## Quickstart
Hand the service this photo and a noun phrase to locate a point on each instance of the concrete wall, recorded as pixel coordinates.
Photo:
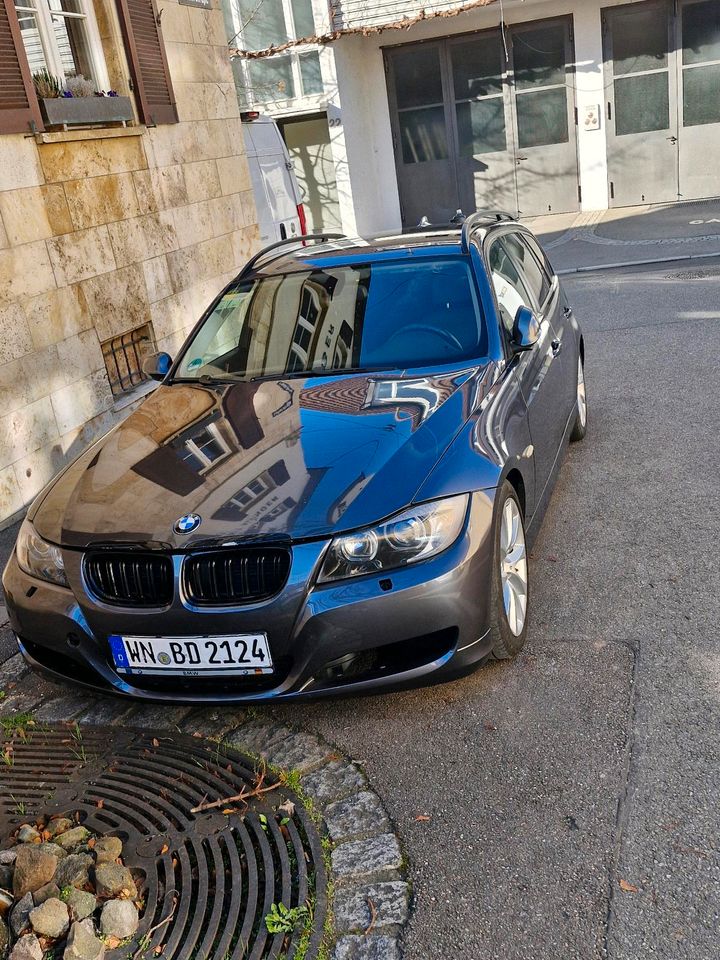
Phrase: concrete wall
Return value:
(102, 231)
(363, 146)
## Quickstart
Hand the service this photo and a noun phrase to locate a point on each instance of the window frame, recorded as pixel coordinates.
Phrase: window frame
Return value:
(504, 332)
(48, 40)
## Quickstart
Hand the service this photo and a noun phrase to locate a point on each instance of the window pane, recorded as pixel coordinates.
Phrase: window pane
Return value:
(701, 95)
(536, 280)
(477, 67)
(66, 6)
(542, 118)
(263, 23)
(641, 104)
(417, 76)
(271, 79)
(539, 56)
(310, 72)
(639, 40)
(509, 287)
(422, 133)
(73, 46)
(481, 126)
(701, 32)
(303, 17)
(31, 40)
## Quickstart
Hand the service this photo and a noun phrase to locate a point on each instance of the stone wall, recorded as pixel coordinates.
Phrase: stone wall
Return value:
(103, 231)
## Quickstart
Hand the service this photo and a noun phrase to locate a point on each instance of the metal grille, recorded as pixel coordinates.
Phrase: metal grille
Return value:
(207, 880)
(130, 579)
(237, 576)
(123, 357)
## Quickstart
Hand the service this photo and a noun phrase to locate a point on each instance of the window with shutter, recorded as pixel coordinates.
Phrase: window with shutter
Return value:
(146, 53)
(18, 103)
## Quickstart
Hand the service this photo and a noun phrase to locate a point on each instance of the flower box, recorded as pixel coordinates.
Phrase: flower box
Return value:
(81, 111)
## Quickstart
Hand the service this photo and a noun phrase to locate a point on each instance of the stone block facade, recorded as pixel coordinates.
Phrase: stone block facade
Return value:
(104, 231)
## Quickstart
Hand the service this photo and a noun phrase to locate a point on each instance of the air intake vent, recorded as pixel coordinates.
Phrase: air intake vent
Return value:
(130, 579)
(235, 576)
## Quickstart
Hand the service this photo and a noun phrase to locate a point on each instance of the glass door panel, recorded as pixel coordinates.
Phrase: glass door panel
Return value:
(699, 105)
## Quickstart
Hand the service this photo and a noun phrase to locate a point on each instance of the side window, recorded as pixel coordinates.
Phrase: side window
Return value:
(510, 289)
(533, 273)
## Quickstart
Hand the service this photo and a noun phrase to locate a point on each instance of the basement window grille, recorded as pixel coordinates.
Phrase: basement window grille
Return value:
(124, 356)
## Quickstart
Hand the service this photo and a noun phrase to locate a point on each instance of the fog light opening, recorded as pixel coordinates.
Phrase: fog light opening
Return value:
(73, 640)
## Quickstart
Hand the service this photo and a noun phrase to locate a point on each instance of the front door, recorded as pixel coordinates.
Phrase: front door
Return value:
(663, 101)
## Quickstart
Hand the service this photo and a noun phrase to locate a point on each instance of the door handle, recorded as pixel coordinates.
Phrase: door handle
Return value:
(556, 346)
(567, 312)
(518, 159)
(671, 139)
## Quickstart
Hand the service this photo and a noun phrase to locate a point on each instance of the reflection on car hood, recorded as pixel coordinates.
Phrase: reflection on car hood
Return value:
(295, 458)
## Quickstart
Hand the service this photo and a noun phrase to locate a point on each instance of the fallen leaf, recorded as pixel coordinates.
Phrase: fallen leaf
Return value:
(91, 843)
(628, 887)
(229, 810)
(155, 742)
(288, 808)
(100, 804)
(164, 848)
(198, 735)
(159, 949)
(422, 818)
(112, 942)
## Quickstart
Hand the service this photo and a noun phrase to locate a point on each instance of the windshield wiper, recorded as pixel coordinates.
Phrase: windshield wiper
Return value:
(310, 374)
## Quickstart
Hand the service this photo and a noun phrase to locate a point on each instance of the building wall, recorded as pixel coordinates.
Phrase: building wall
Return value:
(103, 231)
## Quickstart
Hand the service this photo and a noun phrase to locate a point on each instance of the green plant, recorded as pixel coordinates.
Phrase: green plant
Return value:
(78, 750)
(20, 806)
(47, 86)
(18, 721)
(282, 919)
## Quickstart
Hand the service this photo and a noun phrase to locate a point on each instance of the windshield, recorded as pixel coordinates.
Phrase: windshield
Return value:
(348, 318)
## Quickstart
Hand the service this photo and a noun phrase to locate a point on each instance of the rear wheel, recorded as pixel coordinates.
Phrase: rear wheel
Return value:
(580, 427)
(510, 583)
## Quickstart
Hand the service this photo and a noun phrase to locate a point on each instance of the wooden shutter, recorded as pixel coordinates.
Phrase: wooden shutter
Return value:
(146, 53)
(18, 102)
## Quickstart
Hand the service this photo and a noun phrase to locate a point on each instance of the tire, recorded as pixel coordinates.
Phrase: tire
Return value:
(507, 633)
(580, 427)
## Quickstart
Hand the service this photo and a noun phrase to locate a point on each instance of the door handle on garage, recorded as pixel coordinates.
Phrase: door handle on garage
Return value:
(556, 346)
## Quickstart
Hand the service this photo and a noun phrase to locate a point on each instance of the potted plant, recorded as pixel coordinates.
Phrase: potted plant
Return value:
(77, 103)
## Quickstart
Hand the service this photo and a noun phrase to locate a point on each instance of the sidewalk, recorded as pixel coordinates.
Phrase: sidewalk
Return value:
(627, 235)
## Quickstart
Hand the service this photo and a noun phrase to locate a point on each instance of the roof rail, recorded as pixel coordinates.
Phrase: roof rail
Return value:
(316, 237)
(474, 220)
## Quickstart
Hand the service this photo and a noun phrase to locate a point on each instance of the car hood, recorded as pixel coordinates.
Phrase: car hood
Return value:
(294, 458)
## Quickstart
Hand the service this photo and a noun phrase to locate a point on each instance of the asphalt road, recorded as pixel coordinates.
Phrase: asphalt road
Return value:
(594, 758)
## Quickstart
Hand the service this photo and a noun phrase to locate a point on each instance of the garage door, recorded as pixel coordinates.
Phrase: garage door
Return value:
(485, 119)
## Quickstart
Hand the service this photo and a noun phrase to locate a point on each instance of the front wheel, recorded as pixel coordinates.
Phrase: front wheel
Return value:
(580, 428)
(510, 582)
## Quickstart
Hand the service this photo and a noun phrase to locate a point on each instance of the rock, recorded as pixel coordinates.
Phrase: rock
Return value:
(51, 919)
(48, 892)
(27, 948)
(28, 834)
(82, 944)
(119, 918)
(6, 875)
(7, 857)
(4, 937)
(54, 849)
(20, 915)
(72, 839)
(33, 869)
(59, 825)
(73, 870)
(80, 903)
(107, 849)
(112, 880)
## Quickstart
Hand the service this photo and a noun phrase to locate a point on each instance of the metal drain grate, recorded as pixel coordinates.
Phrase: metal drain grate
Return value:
(214, 874)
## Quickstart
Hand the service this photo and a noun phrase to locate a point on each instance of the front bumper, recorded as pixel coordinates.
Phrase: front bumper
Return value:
(426, 622)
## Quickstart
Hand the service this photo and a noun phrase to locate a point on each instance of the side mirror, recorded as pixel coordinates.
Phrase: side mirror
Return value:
(526, 329)
(157, 365)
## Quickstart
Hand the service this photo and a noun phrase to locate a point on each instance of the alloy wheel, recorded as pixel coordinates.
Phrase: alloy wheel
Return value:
(513, 567)
(581, 397)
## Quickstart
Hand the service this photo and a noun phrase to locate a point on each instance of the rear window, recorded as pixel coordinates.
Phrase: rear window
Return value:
(352, 317)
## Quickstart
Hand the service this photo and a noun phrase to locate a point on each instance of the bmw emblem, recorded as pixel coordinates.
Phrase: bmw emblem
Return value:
(188, 523)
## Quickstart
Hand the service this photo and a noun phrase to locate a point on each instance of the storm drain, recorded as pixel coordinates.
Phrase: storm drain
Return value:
(207, 879)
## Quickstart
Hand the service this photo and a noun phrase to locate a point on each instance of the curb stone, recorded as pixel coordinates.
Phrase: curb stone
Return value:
(366, 862)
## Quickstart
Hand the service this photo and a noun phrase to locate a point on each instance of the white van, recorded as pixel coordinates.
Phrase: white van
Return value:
(277, 195)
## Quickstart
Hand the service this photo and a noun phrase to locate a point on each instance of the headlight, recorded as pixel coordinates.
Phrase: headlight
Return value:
(413, 535)
(39, 558)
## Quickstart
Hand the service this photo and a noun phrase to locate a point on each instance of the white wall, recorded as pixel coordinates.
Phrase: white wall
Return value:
(363, 143)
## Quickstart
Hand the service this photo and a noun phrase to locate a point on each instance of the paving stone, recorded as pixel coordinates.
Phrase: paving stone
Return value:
(214, 724)
(256, 736)
(33, 869)
(365, 858)
(60, 709)
(301, 751)
(157, 717)
(351, 906)
(336, 780)
(50, 919)
(360, 815)
(367, 948)
(13, 669)
(82, 944)
(27, 948)
(105, 713)
(119, 918)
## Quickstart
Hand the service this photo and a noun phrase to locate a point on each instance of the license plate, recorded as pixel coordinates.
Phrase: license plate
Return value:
(238, 655)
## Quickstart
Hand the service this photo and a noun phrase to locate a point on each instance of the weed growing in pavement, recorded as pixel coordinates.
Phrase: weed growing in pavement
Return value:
(20, 806)
(17, 723)
(282, 919)
(78, 750)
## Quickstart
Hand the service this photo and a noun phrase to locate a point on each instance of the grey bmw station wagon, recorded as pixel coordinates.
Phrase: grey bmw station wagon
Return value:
(333, 488)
